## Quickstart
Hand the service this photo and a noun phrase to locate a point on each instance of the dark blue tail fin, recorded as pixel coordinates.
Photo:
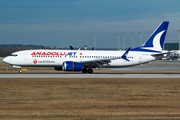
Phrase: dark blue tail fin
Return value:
(156, 40)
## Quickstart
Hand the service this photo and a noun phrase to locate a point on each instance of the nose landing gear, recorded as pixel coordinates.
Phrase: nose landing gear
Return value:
(21, 70)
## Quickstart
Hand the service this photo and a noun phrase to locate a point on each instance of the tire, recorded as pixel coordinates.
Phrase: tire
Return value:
(90, 70)
(20, 71)
(84, 70)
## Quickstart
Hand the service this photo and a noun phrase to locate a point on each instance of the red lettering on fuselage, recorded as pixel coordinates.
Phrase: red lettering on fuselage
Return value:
(38, 53)
(62, 53)
(49, 53)
(33, 53)
(43, 53)
(54, 53)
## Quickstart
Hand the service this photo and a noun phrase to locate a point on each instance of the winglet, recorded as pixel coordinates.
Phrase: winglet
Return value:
(124, 56)
(71, 48)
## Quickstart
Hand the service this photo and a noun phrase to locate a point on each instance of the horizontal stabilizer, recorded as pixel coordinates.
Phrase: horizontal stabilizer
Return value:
(161, 54)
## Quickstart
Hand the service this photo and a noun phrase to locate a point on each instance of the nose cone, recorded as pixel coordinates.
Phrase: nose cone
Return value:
(6, 60)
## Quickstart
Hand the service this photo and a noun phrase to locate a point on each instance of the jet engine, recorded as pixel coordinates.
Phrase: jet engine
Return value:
(72, 66)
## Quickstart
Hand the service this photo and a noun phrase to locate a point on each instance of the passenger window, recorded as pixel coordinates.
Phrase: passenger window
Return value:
(13, 55)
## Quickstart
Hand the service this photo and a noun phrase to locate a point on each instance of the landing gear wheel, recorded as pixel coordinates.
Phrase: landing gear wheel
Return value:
(20, 71)
(84, 70)
(90, 70)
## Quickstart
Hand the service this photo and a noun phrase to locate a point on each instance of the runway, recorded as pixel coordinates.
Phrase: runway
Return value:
(156, 69)
(90, 75)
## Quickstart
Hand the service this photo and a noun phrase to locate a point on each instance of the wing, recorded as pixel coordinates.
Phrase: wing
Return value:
(100, 62)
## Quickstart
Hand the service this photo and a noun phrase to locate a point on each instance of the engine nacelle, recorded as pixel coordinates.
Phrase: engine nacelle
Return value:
(58, 68)
(72, 66)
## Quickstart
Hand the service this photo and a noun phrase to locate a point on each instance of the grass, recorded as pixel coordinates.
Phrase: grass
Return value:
(94, 98)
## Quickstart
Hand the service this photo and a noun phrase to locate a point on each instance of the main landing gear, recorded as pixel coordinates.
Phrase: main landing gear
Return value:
(85, 70)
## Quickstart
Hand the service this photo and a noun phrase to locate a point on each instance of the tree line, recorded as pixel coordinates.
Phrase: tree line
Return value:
(6, 50)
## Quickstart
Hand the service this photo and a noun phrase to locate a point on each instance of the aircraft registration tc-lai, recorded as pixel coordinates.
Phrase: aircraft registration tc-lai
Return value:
(85, 60)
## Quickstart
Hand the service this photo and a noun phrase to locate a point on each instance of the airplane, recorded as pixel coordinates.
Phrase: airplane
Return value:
(85, 60)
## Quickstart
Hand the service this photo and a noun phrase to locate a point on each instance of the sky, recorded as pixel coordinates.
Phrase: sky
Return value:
(62, 23)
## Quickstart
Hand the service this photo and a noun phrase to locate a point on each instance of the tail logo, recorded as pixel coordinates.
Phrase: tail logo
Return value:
(156, 42)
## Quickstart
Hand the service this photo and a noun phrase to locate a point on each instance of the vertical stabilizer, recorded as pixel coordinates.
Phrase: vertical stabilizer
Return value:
(156, 40)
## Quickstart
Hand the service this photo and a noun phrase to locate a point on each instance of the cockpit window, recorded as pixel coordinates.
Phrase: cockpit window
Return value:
(13, 55)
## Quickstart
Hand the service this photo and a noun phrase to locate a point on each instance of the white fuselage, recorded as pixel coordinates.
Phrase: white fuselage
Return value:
(55, 58)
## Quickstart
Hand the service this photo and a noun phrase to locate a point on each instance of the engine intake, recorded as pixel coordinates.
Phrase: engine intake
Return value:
(72, 66)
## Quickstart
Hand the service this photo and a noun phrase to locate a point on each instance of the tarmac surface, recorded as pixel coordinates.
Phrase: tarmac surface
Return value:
(155, 69)
(159, 65)
(90, 75)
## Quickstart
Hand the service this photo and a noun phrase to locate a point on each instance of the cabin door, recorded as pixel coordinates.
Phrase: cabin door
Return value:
(25, 56)
(140, 58)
